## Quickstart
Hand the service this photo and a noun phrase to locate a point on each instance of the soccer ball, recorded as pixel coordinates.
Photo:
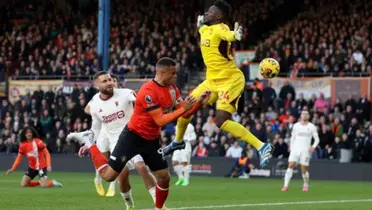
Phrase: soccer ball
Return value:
(269, 68)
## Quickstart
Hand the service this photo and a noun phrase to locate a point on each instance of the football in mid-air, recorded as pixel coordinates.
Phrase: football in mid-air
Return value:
(269, 68)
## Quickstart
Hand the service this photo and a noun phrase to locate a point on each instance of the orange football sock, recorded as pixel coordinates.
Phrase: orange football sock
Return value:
(50, 184)
(33, 184)
(99, 160)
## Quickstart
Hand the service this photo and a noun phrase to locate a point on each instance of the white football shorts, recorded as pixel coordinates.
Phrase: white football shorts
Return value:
(183, 155)
(107, 143)
(300, 157)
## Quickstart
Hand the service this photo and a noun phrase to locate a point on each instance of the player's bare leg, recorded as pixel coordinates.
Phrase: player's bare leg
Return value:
(305, 176)
(178, 169)
(186, 170)
(162, 187)
(126, 189)
(100, 162)
(43, 182)
(27, 182)
(111, 189)
(98, 179)
(224, 122)
(288, 175)
(149, 180)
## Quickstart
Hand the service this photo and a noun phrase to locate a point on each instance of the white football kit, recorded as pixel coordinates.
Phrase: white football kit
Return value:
(301, 142)
(109, 117)
(184, 155)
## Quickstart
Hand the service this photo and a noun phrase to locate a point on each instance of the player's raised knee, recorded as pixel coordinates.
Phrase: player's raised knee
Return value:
(222, 117)
(162, 177)
(140, 166)
(220, 121)
(109, 174)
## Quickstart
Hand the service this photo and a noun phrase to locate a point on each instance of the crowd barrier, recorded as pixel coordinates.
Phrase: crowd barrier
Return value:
(218, 167)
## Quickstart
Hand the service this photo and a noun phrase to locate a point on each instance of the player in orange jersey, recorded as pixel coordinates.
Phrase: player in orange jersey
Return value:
(38, 160)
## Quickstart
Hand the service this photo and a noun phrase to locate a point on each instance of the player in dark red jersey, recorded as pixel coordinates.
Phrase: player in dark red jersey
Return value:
(158, 103)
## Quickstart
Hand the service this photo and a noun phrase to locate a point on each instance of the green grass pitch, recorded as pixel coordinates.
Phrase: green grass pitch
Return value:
(78, 193)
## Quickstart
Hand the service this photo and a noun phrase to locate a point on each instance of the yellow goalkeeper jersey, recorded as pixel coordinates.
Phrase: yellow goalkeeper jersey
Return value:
(215, 44)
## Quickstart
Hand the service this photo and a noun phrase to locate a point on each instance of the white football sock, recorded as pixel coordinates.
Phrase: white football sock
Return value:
(127, 197)
(186, 172)
(178, 170)
(152, 192)
(288, 176)
(113, 185)
(306, 177)
(98, 178)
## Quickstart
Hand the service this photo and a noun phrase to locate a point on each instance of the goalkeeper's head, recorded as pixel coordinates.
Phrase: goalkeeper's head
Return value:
(217, 13)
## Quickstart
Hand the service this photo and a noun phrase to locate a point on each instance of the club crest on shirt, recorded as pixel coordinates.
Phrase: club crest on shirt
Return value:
(123, 159)
(148, 99)
(116, 103)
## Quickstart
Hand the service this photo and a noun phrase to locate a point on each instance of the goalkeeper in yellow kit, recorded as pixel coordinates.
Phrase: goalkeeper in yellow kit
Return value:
(223, 79)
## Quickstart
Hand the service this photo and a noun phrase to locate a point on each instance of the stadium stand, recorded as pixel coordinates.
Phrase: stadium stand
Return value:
(61, 43)
(58, 43)
(329, 39)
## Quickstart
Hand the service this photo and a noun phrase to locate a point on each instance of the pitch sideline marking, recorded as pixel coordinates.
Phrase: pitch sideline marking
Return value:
(270, 204)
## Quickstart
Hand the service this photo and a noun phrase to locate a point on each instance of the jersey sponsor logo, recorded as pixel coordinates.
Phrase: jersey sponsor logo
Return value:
(123, 159)
(31, 154)
(304, 134)
(112, 117)
(148, 99)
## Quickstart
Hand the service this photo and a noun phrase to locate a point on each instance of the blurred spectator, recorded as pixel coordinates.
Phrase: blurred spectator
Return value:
(241, 168)
(200, 150)
(269, 96)
(235, 151)
(281, 148)
(330, 38)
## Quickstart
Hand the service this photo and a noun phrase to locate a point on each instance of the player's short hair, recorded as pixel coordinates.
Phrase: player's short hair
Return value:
(98, 74)
(166, 61)
(114, 76)
(224, 7)
(34, 132)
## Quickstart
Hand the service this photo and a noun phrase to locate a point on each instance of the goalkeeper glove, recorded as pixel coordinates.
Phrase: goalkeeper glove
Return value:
(200, 21)
(238, 31)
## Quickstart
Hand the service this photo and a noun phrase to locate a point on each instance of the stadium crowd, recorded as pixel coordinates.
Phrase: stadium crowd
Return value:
(332, 38)
(343, 127)
(56, 43)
